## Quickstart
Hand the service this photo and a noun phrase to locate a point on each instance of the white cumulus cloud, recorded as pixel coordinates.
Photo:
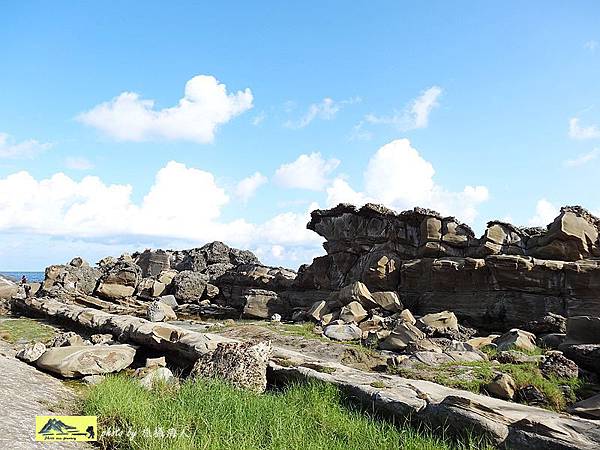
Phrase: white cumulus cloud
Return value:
(583, 159)
(413, 116)
(9, 148)
(247, 187)
(184, 205)
(307, 172)
(545, 213)
(206, 104)
(400, 178)
(579, 132)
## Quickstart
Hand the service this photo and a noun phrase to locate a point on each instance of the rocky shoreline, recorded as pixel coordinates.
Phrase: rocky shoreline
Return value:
(417, 288)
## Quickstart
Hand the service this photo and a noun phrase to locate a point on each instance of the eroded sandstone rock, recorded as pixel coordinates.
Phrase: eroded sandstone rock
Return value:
(343, 332)
(502, 386)
(242, 364)
(353, 312)
(160, 312)
(401, 336)
(120, 280)
(515, 339)
(31, 352)
(78, 361)
(189, 286)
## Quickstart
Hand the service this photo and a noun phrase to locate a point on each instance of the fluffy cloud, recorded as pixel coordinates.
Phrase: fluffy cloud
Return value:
(545, 213)
(307, 172)
(415, 115)
(78, 163)
(60, 205)
(183, 205)
(206, 104)
(9, 148)
(399, 177)
(583, 158)
(576, 131)
(247, 187)
(325, 110)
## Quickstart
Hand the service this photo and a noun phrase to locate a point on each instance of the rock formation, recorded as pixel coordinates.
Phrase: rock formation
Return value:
(505, 278)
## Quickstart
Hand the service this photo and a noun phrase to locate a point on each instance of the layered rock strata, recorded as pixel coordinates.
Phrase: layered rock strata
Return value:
(503, 279)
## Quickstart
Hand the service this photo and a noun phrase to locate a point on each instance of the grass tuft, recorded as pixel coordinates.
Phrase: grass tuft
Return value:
(210, 414)
(473, 376)
(23, 330)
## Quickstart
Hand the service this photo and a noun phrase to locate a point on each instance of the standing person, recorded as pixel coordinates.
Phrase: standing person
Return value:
(23, 280)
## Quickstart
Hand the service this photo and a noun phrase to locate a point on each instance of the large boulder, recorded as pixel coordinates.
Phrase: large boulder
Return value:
(357, 292)
(150, 287)
(401, 336)
(120, 280)
(388, 300)
(345, 332)
(550, 323)
(235, 284)
(502, 386)
(189, 286)
(66, 339)
(242, 364)
(158, 311)
(75, 276)
(515, 339)
(79, 361)
(573, 235)
(152, 262)
(8, 288)
(31, 352)
(262, 304)
(353, 312)
(440, 322)
(211, 258)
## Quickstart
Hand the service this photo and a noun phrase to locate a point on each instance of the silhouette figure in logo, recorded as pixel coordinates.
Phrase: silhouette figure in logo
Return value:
(90, 432)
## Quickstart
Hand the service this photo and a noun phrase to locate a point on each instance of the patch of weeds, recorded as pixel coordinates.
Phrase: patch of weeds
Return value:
(211, 414)
(473, 376)
(378, 384)
(25, 330)
(302, 329)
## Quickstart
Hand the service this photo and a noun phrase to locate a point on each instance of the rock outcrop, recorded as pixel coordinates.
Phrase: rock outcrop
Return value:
(78, 361)
(505, 278)
(244, 364)
(78, 275)
(505, 423)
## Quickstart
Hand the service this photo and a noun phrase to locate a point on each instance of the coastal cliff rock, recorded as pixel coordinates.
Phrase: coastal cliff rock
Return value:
(505, 278)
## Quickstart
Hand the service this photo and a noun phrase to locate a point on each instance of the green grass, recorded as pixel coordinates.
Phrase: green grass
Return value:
(473, 376)
(209, 414)
(25, 330)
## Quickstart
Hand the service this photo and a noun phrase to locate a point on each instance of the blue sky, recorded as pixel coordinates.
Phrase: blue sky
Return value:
(476, 109)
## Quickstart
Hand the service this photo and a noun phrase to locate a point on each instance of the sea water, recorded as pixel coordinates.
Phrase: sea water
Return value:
(16, 276)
